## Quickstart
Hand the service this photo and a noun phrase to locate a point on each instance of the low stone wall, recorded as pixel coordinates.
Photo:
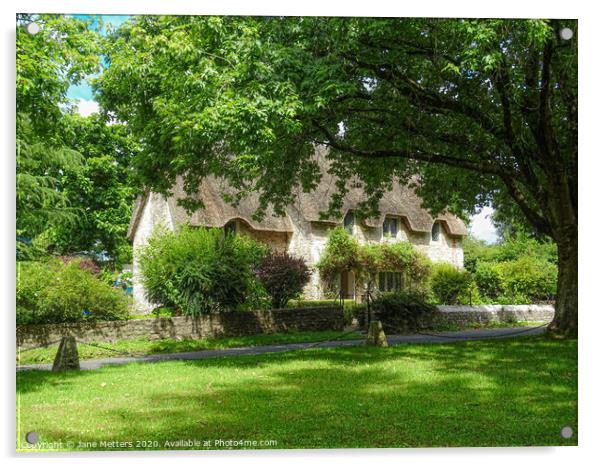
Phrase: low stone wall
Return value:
(205, 326)
(481, 314)
(500, 313)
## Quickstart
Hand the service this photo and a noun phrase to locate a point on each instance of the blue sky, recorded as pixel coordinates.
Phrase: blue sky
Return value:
(480, 224)
(83, 91)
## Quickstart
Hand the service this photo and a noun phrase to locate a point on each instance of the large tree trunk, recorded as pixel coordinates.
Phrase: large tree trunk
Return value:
(564, 324)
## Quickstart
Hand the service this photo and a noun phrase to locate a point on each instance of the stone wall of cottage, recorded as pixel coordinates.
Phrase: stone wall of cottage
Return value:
(156, 212)
(277, 240)
(307, 240)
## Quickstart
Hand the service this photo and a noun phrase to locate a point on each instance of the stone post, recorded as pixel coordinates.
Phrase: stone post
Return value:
(66, 357)
(376, 335)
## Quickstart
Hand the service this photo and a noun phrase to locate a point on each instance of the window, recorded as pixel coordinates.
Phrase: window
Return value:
(390, 227)
(390, 281)
(230, 228)
(349, 222)
(436, 231)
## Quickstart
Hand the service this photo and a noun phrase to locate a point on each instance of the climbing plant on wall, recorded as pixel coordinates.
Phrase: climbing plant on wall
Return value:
(344, 253)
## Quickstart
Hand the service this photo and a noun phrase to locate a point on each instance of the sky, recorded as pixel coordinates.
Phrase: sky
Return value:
(82, 93)
(480, 226)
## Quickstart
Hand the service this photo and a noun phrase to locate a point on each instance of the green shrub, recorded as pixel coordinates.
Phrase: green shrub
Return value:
(453, 286)
(477, 251)
(257, 297)
(55, 292)
(283, 276)
(402, 311)
(527, 280)
(198, 270)
(488, 280)
(32, 278)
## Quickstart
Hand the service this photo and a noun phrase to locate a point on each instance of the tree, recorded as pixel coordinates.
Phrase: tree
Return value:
(62, 53)
(102, 191)
(470, 112)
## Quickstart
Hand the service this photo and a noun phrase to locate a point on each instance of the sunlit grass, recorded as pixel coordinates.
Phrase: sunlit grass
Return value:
(479, 393)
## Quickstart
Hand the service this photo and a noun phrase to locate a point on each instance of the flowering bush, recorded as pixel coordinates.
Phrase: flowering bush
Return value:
(84, 264)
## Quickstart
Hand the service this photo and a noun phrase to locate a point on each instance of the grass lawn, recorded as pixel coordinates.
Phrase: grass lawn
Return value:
(518, 391)
(144, 346)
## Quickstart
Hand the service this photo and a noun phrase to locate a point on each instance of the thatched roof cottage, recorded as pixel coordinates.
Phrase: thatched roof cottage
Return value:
(302, 231)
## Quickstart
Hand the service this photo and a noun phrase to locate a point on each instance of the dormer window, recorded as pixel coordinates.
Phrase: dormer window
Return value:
(390, 227)
(230, 228)
(436, 232)
(349, 222)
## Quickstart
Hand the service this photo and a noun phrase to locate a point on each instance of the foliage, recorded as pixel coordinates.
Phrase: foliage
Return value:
(402, 311)
(517, 270)
(343, 252)
(40, 199)
(102, 191)
(340, 254)
(283, 276)
(55, 292)
(62, 53)
(509, 248)
(294, 80)
(198, 270)
(453, 286)
(488, 280)
(526, 280)
(478, 110)
(84, 264)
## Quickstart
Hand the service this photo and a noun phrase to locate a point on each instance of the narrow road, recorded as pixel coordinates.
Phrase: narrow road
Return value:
(440, 337)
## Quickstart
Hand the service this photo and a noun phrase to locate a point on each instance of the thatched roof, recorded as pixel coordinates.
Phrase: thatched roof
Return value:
(401, 201)
(217, 212)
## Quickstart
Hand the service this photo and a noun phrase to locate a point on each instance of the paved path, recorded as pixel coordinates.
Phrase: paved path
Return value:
(440, 337)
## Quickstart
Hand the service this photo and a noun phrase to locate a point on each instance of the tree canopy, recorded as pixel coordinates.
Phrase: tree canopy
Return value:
(102, 191)
(48, 62)
(74, 184)
(470, 112)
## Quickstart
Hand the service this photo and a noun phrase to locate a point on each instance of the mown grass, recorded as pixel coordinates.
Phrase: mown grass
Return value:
(515, 392)
(143, 346)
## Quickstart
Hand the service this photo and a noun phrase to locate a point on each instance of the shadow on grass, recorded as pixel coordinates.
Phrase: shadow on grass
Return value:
(487, 393)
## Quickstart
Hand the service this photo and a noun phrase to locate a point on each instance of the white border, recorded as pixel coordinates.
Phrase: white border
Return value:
(589, 257)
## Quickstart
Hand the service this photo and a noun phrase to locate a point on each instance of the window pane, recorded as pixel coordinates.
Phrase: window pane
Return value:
(435, 231)
(349, 221)
(390, 226)
(397, 277)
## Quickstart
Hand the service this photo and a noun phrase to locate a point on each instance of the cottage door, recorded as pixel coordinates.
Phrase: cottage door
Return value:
(347, 285)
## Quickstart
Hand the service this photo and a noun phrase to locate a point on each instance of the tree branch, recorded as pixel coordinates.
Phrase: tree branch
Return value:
(538, 221)
(480, 167)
